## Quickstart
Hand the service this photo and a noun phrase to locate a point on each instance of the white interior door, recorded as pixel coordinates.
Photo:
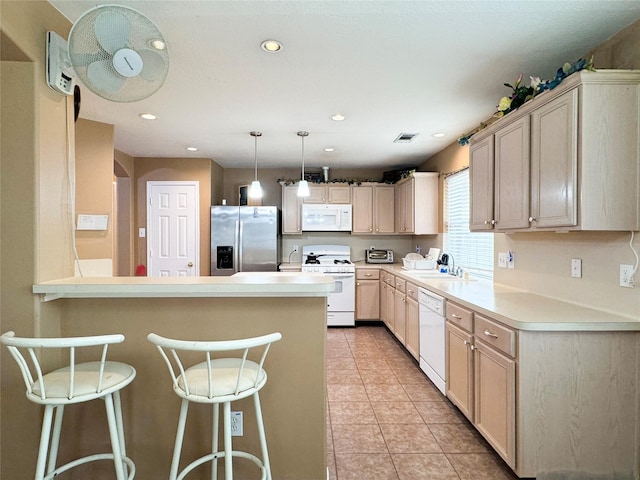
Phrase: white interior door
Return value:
(173, 236)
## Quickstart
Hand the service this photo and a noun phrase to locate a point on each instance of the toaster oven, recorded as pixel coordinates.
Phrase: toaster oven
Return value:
(378, 256)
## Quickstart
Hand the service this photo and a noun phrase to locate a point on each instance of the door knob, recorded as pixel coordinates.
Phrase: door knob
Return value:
(190, 264)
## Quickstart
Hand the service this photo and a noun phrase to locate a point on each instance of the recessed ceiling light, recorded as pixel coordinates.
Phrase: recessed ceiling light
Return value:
(438, 134)
(329, 149)
(158, 44)
(148, 116)
(338, 117)
(271, 46)
(192, 149)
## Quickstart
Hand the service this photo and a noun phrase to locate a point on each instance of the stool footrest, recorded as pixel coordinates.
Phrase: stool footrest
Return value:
(92, 458)
(217, 456)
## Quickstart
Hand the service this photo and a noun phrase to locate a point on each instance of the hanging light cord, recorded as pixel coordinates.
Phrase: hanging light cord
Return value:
(302, 157)
(255, 137)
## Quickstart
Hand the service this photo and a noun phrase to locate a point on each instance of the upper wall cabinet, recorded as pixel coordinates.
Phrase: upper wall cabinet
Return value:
(567, 160)
(417, 204)
(291, 210)
(332, 193)
(373, 210)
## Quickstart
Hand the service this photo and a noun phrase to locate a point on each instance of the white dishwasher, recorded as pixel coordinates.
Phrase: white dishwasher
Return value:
(432, 337)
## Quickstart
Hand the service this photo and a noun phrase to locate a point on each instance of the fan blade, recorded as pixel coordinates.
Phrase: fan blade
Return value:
(103, 77)
(153, 65)
(112, 31)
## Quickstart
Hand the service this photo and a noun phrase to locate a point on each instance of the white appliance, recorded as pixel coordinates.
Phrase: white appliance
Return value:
(326, 217)
(335, 260)
(432, 337)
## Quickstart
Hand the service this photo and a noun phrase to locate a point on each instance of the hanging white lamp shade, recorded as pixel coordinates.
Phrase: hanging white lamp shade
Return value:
(303, 185)
(255, 190)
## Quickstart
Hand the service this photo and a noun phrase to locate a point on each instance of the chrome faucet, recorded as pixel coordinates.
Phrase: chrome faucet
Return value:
(452, 271)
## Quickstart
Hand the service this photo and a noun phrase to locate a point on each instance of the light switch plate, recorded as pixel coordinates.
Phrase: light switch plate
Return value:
(511, 259)
(576, 268)
(502, 260)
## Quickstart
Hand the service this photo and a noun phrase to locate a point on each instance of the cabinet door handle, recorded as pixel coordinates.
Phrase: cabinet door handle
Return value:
(367, 274)
(489, 334)
(457, 317)
(473, 348)
(532, 219)
(494, 222)
(358, 284)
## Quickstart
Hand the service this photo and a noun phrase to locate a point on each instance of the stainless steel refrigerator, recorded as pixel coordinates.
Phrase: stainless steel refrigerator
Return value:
(244, 239)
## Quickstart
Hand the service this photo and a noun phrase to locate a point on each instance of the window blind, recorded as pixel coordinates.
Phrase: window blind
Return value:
(472, 251)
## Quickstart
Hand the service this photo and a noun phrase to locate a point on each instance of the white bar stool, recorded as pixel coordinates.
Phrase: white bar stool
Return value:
(217, 381)
(75, 383)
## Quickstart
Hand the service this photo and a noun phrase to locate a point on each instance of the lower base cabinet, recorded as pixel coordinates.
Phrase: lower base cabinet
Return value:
(481, 376)
(412, 322)
(367, 294)
(495, 400)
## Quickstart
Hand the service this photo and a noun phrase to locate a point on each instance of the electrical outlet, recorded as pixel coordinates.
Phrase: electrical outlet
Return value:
(626, 279)
(576, 268)
(418, 249)
(236, 424)
(295, 249)
(502, 260)
(372, 247)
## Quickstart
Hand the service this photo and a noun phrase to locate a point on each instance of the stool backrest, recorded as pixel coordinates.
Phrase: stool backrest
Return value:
(170, 348)
(23, 350)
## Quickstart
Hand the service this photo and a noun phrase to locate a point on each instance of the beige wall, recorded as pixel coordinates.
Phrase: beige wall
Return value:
(36, 222)
(94, 186)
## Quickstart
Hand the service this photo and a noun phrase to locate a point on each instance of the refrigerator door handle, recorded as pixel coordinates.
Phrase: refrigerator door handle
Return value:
(236, 253)
(240, 236)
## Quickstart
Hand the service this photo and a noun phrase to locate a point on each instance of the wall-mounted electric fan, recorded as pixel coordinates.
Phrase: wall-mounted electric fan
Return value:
(117, 52)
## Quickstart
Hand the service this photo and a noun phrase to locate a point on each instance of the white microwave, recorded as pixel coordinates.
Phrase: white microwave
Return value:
(326, 217)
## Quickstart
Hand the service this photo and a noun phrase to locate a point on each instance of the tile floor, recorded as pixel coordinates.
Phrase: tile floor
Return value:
(387, 421)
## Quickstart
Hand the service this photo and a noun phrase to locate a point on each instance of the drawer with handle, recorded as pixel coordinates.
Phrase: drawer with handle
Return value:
(495, 334)
(367, 273)
(412, 291)
(459, 316)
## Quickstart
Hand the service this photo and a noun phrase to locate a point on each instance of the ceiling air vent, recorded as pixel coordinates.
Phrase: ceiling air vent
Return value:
(405, 137)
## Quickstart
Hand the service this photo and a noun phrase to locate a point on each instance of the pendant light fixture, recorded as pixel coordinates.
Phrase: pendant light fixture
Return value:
(255, 190)
(303, 186)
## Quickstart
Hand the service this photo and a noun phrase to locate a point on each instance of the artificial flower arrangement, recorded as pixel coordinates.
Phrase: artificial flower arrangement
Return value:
(522, 94)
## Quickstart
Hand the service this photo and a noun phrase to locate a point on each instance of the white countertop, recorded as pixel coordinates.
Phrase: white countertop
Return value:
(517, 308)
(245, 284)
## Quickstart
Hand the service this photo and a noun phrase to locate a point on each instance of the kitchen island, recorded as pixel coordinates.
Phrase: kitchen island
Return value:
(244, 305)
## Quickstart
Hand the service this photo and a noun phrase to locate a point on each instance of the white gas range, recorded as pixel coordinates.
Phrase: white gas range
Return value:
(334, 260)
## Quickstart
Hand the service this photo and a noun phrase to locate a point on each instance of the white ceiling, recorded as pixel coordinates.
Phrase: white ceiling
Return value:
(390, 67)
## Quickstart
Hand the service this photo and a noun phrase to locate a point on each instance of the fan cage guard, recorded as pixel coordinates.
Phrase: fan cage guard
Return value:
(85, 49)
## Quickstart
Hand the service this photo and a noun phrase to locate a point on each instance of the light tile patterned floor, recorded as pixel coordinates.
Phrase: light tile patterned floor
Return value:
(387, 421)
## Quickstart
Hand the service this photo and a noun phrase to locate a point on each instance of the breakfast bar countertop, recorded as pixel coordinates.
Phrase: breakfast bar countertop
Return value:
(244, 284)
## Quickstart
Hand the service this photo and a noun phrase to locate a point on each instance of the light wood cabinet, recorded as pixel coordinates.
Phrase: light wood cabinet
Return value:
(331, 193)
(416, 204)
(389, 302)
(412, 325)
(383, 298)
(481, 376)
(399, 325)
(367, 294)
(373, 209)
(291, 210)
(495, 399)
(567, 160)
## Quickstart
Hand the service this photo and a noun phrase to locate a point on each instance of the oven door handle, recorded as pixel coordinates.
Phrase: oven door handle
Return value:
(340, 275)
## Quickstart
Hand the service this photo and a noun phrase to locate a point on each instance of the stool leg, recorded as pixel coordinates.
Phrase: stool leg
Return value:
(120, 426)
(177, 449)
(44, 441)
(228, 458)
(115, 437)
(55, 439)
(214, 440)
(263, 438)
